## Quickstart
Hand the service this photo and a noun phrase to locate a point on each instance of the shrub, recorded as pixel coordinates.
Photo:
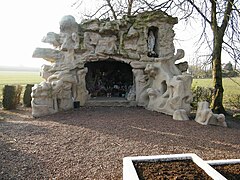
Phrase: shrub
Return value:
(233, 73)
(27, 95)
(201, 94)
(9, 97)
(234, 101)
(18, 94)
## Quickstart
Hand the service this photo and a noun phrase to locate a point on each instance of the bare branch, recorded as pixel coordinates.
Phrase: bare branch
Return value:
(199, 11)
(99, 9)
(226, 16)
(112, 10)
(129, 11)
(236, 9)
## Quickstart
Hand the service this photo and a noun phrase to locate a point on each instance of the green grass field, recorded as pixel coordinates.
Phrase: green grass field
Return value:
(231, 90)
(18, 78)
(231, 86)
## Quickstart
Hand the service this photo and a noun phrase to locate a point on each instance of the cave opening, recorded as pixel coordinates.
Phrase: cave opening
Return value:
(109, 78)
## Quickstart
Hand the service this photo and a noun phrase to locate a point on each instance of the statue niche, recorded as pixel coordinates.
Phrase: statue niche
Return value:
(152, 41)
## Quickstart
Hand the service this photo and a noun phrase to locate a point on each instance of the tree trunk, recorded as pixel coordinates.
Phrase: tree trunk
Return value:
(129, 9)
(218, 33)
(217, 99)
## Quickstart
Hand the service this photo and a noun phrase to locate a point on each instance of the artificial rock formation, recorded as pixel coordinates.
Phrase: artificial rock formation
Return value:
(133, 57)
(205, 116)
(180, 114)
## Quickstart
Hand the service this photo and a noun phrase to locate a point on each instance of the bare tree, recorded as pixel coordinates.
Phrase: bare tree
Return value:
(115, 9)
(221, 17)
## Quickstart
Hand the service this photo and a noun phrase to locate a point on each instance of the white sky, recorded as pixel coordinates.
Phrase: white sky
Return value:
(25, 22)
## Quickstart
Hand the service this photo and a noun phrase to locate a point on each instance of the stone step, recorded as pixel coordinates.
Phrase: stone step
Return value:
(110, 102)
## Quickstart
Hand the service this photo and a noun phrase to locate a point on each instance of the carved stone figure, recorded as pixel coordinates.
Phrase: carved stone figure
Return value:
(180, 114)
(142, 83)
(131, 96)
(205, 116)
(82, 92)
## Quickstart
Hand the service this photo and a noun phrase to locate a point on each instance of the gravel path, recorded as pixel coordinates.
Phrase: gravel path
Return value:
(90, 143)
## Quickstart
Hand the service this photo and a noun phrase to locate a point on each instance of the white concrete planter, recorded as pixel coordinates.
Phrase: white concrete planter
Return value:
(223, 162)
(129, 171)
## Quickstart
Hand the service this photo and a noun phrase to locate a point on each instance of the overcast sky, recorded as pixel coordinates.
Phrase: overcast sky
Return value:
(25, 22)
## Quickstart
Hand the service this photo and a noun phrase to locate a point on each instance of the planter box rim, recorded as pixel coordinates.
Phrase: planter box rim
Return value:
(130, 173)
(223, 161)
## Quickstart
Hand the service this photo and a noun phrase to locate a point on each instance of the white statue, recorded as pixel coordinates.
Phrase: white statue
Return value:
(151, 44)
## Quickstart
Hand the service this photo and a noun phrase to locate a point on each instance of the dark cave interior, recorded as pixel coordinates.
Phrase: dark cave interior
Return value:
(108, 78)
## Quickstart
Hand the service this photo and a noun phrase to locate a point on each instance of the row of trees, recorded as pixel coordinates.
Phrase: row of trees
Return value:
(199, 71)
(220, 17)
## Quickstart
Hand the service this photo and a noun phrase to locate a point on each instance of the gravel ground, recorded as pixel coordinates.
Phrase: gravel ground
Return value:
(90, 143)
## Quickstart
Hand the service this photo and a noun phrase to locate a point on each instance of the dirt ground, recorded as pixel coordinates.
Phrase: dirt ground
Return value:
(176, 170)
(90, 143)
